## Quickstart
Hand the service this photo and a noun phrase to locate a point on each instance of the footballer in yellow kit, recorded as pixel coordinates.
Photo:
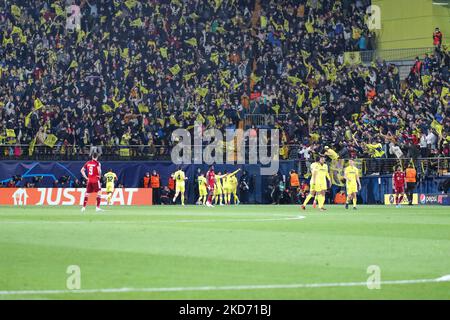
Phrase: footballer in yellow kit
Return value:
(352, 183)
(179, 178)
(110, 178)
(226, 188)
(234, 185)
(202, 189)
(312, 192)
(218, 189)
(321, 175)
(227, 184)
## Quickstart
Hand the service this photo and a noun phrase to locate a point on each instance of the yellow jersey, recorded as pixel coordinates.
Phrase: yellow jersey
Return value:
(351, 174)
(202, 182)
(322, 173)
(233, 182)
(218, 183)
(110, 177)
(332, 154)
(313, 167)
(179, 177)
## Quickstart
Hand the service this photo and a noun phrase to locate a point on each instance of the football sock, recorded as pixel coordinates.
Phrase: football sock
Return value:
(85, 201)
(182, 199)
(354, 201)
(321, 200)
(308, 197)
(98, 201)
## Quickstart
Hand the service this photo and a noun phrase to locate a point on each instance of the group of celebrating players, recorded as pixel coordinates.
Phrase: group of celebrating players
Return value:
(320, 180)
(219, 187)
(213, 187)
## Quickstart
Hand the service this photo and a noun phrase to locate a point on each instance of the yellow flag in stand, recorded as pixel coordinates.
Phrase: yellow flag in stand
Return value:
(445, 92)
(16, 11)
(309, 26)
(215, 57)
(130, 3)
(315, 102)
(188, 76)
(58, 10)
(38, 104)
(175, 69)
(352, 57)
(263, 22)
(31, 147)
(202, 91)
(73, 64)
(293, 79)
(286, 25)
(437, 126)
(142, 108)
(10, 133)
(28, 119)
(106, 108)
(163, 52)
(192, 41)
(50, 140)
(136, 23)
(300, 99)
(17, 30)
(276, 108)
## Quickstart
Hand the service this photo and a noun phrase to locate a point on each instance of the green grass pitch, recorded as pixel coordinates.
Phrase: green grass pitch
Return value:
(234, 252)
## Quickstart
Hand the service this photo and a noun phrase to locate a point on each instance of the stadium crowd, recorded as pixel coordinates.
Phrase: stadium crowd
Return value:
(133, 71)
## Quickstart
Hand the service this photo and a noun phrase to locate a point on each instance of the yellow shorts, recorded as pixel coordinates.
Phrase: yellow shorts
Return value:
(202, 191)
(109, 189)
(351, 188)
(227, 190)
(320, 187)
(179, 188)
(313, 187)
(218, 191)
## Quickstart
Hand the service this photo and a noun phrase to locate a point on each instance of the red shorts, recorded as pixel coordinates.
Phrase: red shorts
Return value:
(93, 187)
(399, 189)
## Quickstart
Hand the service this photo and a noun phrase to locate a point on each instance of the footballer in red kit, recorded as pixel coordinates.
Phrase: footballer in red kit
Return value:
(211, 179)
(399, 182)
(92, 172)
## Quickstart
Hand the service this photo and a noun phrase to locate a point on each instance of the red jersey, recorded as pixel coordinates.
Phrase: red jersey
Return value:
(211, 178)
(93, 170)
(399, 178)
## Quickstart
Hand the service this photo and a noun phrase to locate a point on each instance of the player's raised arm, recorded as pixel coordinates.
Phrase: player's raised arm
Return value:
(234, 172)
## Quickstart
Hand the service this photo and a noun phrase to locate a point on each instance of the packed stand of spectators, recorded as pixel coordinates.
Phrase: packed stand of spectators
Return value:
(136, 70)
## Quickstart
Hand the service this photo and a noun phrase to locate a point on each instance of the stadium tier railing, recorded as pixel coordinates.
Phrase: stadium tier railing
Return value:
(395, 54)
(369, 166)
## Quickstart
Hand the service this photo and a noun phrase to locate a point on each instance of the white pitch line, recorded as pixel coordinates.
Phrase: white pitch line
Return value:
(226, 288)
(152, 222)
